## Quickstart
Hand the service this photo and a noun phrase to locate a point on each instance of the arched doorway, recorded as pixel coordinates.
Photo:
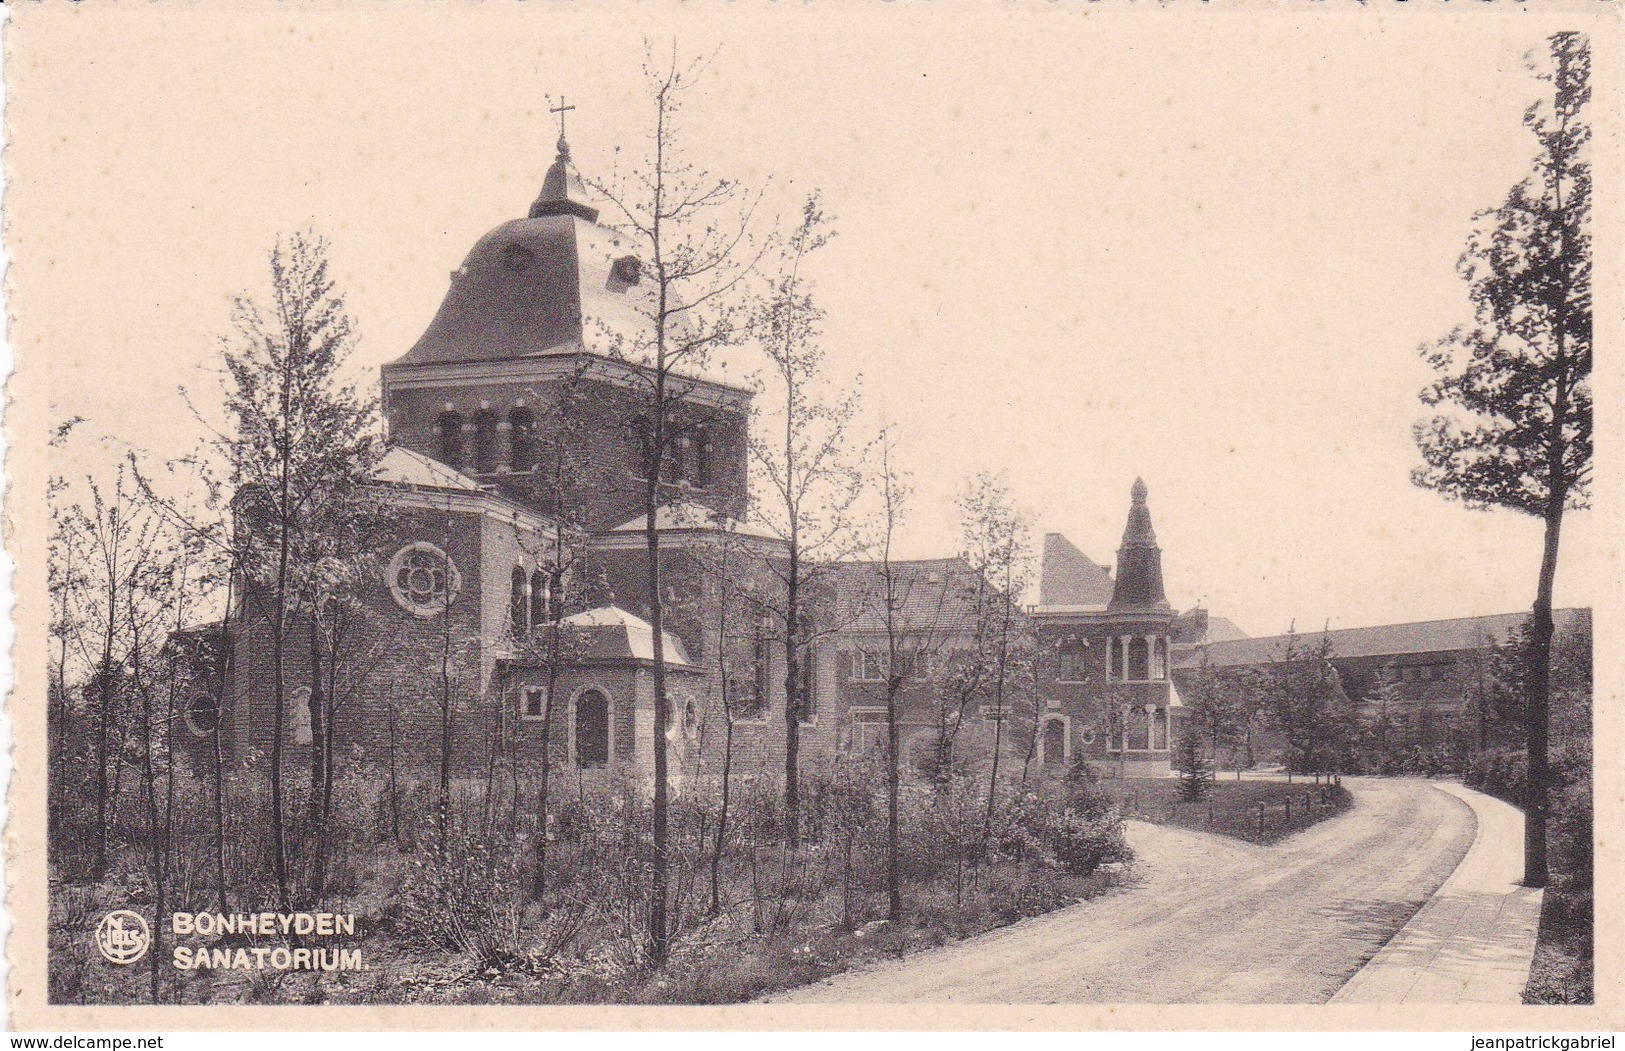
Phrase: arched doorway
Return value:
(1054, 743)
(592, 729)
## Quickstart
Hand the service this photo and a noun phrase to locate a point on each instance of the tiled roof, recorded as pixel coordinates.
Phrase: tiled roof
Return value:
(692, 515)
(611, 633)
(1068, 577)
(1428, 636)
(402, 466)
(932, 595)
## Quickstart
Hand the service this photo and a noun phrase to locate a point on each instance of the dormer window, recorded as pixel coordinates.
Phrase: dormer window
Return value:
(624, 273)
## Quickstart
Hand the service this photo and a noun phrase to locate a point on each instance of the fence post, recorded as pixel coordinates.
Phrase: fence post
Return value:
(1289, 811)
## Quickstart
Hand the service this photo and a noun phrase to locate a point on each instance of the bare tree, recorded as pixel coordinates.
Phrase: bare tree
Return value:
(694, 232)
(997, 540)
(808, 481)
(301, 445)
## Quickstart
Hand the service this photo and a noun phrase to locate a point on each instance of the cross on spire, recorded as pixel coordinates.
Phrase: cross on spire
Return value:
(561, 109)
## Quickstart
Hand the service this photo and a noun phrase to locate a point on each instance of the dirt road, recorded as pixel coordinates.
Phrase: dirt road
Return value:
(1209, 919)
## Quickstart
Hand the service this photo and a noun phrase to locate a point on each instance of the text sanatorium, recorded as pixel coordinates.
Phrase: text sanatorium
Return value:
(261, 957)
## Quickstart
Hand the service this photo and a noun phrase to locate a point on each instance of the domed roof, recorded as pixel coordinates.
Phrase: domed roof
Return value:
(555, 282)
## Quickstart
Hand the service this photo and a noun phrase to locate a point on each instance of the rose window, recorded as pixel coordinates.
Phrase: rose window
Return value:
(423, 579)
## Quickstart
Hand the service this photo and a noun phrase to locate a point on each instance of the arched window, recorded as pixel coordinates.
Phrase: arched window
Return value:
(1139, 730)
(675, 459)
(540, 593)
(702, 457)
(1119, 666)
(642, 446)
(1159, 658)
(808, 672)
(298, 715)
(521, 440)
(485, 441)
(1139, 659)
(449, 429)
(1159, 729)
(592, 729)
(517, 602)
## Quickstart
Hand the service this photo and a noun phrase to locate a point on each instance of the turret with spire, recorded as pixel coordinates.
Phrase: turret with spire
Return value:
(1139, 562)
(562, 191)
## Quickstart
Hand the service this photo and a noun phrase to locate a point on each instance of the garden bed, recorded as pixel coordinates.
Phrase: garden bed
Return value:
(1256, 811)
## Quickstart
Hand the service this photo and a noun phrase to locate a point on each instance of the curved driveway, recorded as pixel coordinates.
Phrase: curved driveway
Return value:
(1209, 919)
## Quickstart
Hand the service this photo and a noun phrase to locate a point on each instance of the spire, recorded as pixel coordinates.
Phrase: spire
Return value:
(1139, 561)
(562, 192)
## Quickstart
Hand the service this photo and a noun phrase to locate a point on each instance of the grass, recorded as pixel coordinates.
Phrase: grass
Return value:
(1562, 971)
(1256, 811)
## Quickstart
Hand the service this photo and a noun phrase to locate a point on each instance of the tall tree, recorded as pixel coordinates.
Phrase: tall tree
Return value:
(1515, 381)
(996, 538)
(807, 482)
(301, 442)
(694, 235)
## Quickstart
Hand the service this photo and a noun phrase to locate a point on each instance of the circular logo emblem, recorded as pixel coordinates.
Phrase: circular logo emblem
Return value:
(122, 936)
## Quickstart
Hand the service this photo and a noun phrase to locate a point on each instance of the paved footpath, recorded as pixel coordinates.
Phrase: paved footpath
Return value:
(1210, 920)
(1474, 940)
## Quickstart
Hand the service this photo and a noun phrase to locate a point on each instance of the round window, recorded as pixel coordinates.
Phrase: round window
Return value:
(202, 715)
(423, 579)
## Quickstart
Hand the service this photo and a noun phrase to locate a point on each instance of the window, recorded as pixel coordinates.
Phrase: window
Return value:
(518, 602)
(642, 447)
(298, 715)
(202, 715)
(673, 458)
(449, 430)
(485, 441)
(532, 703)
(1139, 730)
(1114, 647)
(592, 730)
(808, 673)
(1159, 658)
(868, 733)
(521, 440)
(702, 458)
(1159, 729)
(541, 595)
(762, 666)
(1070, 665)
(866, 667)
(423, 579)
(1139, 659)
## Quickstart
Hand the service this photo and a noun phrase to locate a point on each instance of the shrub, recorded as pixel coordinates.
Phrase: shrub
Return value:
(1501, 772)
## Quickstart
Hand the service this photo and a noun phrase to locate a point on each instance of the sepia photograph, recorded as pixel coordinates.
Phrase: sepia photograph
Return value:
(953, 510)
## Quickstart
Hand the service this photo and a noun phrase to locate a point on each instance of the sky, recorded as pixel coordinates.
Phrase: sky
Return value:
(1075, 245)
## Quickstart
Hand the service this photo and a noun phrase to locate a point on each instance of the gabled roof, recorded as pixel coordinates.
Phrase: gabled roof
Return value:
(933, 595)
(611, 633)
(402, 466)
(1395, 640)
(1068, 577)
